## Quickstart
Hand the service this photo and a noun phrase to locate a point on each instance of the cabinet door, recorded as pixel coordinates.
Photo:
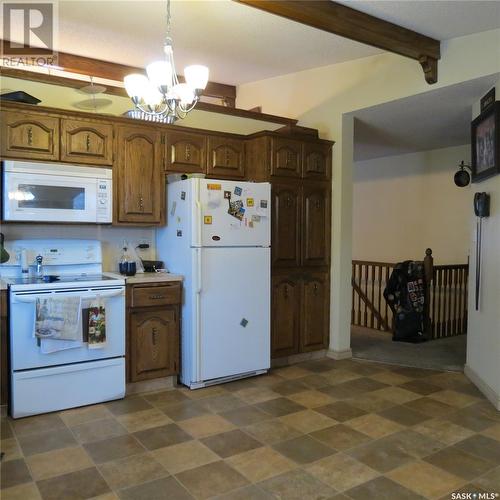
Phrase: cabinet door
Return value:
(315, 308)
(29, 136)
(186, 152)
(226, 157)
(286, 157)
(317, 161)
(316, 228)
(139, 176)
(285, 316)
(285, 223)
(154, 343)
(87, 142)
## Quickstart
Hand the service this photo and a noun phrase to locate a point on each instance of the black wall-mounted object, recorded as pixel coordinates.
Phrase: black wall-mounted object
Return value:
(482, 205)
(481, 210)
(462, 177)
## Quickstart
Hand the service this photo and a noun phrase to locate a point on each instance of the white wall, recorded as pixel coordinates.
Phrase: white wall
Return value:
(110, 237)
(483, 339)
(326, 97)
(403, 204)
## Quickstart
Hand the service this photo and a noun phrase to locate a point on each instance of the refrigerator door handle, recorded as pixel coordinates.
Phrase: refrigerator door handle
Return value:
(198, 290)
(199, 215)
(198, 271)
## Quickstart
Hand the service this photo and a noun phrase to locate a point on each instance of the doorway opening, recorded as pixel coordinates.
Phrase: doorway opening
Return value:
(406, 153)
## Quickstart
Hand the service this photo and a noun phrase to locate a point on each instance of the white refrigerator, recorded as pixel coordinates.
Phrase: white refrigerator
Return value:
(218, 237)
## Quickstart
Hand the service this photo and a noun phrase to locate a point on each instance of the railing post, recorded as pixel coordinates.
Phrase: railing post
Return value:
(429, 274)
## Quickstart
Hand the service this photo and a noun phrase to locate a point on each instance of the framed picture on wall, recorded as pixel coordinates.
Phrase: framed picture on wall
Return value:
(485, 142)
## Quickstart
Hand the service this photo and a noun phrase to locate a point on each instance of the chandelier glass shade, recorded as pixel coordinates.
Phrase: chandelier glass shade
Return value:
(160, 93)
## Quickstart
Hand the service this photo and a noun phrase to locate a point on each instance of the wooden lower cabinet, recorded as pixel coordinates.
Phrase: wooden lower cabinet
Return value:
(315, 321)
(285, 315)
(153, 338)
(300, 312)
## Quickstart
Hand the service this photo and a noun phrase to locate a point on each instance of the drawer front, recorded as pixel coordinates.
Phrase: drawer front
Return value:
(148, 296)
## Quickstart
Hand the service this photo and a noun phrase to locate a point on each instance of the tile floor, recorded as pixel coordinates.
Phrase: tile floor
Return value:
(317, 430)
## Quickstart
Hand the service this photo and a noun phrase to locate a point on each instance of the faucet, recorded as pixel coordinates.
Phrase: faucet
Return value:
(39, 266)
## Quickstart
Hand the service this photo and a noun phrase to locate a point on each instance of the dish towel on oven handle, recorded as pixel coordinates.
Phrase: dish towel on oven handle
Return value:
(97, 324)
(58, 323)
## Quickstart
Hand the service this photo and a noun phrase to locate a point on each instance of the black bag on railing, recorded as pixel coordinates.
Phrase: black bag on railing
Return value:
(405, 294)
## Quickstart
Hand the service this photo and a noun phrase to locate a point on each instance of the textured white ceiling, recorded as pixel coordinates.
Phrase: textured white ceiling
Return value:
(440, 19)
(238, 43)
(432, 120)
(242, 44)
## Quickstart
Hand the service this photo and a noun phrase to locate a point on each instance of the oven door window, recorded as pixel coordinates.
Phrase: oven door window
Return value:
(51, 197)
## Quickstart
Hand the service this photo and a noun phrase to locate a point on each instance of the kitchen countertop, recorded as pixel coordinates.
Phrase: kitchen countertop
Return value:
(148, 278)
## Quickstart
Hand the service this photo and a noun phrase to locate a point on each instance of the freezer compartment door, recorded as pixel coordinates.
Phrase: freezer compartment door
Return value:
(234, 321)
(232, 213)
(61, 387)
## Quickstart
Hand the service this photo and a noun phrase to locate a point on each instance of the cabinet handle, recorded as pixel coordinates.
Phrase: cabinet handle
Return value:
(87, 143)
(227, 157)
(154, 333)
(318, 204)
(156, 297)
(289, 202)
(315, 288)
(30, 136)
(288, 158)
(188, 152)
(141, 203)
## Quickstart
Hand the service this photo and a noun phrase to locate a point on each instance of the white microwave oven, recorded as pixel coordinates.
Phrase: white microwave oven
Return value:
(46, 192)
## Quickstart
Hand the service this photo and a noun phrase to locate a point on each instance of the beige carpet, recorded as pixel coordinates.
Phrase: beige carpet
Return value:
(439, 354)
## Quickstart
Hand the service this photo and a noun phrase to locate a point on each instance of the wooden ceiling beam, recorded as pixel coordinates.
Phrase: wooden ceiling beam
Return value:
(349, 23)
(114, 71)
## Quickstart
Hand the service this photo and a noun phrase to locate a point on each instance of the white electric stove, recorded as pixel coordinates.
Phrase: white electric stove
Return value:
(67, 378)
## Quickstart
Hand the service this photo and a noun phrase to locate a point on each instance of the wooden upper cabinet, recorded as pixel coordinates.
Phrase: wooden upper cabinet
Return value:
(315, 307)
(285, 305)
(154, 337)
(86, 142)
(285, 225)
(29, 136)
(226, 157)
(286, 157)
(139, 175)
(316, 225)
(186, 152)
(317, 163)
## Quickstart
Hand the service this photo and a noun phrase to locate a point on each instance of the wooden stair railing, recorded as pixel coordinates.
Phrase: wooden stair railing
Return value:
(446, 297)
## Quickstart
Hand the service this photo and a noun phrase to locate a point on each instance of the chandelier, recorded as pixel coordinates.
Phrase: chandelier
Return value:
(160, 95)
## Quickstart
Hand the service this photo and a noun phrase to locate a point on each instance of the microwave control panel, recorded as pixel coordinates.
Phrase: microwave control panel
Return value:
(104, 200)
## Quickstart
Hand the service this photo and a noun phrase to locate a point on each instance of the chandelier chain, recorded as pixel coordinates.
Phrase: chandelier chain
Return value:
(169, 24)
